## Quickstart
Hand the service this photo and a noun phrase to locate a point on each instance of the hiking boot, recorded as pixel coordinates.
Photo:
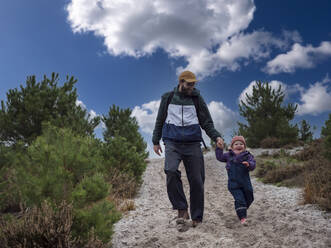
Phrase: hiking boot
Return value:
(182, 213)
(195, 223)
(182, 227)
(181, 220)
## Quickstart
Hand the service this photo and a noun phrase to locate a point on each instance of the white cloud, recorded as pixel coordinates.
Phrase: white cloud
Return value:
(223, 117)
(316, 99)
(137, 30)
(146, 115)
(256, 45)
(299, 57)
(80, 103)
(92, 114)
(207, 34)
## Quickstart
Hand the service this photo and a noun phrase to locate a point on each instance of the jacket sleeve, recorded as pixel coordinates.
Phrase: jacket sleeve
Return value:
(252, 162)
(160, 119)
(223, 157)
(206, 121)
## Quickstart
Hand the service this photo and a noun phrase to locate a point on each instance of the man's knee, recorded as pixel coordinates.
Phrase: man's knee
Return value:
(172, 173)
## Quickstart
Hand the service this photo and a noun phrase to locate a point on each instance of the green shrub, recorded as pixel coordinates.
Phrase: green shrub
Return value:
(326, 134)
(280, 173)
(57, 166)
(282, 170)
(90, 189)
(99, 219)
(263, 167)
(119, 154)
(280, 154)
(53, 164)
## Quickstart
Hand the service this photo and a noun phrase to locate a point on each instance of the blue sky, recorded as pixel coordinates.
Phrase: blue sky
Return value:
(129, 54)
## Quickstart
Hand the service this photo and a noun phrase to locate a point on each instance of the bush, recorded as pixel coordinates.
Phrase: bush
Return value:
(53, 164)
(270, 142)
(98, 218)
(263, 168)
(308, 168)
(326, 134)
(57, 166)
(280, 173)
(43, 227)
(317, 188)
(90, 189)
(311, 151)
(120, 154)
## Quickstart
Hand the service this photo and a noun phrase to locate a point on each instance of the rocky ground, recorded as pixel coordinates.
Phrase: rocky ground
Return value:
(276, 218)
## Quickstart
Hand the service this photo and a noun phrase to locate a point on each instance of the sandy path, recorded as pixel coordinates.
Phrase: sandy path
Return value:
(276, 219)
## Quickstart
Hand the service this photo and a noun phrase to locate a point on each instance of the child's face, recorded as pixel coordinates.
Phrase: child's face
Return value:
(238, 146)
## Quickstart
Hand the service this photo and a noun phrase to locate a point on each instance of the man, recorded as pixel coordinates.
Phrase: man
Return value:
(180, 116)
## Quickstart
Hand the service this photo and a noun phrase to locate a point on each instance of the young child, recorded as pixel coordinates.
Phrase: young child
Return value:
(238, 164)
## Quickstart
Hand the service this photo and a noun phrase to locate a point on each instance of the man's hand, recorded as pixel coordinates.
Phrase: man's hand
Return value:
(157, 149)
(245, 163)
(219, 142)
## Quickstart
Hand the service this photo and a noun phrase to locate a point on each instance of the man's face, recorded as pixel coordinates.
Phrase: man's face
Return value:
(187, 87)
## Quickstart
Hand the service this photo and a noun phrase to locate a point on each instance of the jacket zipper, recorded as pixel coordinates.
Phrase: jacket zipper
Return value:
(182, 115)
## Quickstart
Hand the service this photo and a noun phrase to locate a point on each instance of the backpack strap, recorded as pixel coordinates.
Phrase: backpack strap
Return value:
(170, 98)
(171, 95)
(195, 100)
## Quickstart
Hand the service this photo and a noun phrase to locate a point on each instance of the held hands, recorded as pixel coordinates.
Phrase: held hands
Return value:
(245, 163)
(157, 149)
(220, 143)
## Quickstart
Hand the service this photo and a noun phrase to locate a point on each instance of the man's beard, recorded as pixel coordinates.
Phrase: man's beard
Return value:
(187, 91)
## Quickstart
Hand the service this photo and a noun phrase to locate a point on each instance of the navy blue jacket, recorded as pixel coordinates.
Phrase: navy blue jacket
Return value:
(238, 173)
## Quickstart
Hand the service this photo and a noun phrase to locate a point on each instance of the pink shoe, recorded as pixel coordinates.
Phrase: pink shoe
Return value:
(243, 221)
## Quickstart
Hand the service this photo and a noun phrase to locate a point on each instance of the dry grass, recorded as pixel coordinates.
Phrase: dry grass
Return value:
(123, 190)
(279, 171)
(43, 227)
(307, 169)
(317, 189)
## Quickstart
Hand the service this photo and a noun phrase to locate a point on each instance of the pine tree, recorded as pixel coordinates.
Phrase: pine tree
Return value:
(266, 117)
(119, 122)
(26, 108)
(305, 134)
(326, 135)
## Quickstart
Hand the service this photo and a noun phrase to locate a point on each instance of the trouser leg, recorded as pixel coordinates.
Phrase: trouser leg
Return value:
(173, 175)
(249, 197)
(195, 171)
(240, 204)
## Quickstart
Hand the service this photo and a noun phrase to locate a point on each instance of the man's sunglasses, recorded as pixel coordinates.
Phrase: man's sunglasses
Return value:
(188, 83)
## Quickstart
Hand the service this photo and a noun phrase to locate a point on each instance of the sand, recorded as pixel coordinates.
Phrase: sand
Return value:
(276, 218)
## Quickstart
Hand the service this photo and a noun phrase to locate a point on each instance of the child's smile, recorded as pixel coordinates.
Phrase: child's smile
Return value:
(238, 147)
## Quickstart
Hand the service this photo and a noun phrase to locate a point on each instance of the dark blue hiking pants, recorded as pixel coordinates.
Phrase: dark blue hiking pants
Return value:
(240, 186)
(192, 157)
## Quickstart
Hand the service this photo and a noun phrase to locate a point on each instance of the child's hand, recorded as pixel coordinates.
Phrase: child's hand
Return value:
(220, 145)
(245, 163)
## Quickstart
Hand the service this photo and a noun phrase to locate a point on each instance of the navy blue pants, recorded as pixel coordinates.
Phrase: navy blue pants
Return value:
(242, 200)
(240, 186)
(192, 157)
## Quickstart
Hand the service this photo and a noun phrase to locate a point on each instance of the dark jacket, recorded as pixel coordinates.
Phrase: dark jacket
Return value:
(181, 122)
(238, 173)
